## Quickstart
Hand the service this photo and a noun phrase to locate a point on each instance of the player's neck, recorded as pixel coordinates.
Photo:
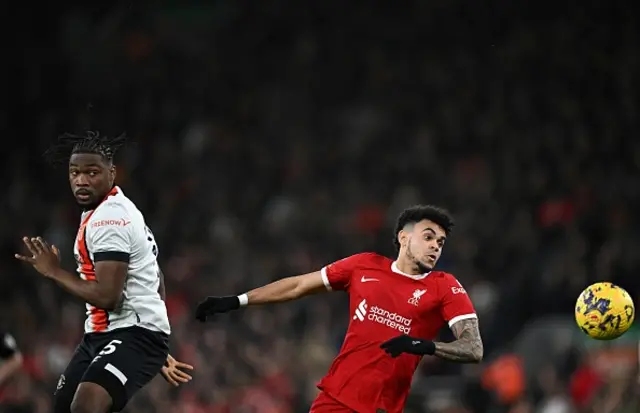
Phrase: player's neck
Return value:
(407, 267)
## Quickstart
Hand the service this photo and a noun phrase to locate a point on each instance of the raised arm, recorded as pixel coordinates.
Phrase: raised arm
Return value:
(103, 283)
(109, 234)
(103, 290)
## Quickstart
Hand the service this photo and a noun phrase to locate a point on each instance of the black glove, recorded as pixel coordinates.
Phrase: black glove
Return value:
(214, 305)
(411, 345)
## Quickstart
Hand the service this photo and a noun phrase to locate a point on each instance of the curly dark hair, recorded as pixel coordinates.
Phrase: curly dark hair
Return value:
(89, 142)
(417, 213)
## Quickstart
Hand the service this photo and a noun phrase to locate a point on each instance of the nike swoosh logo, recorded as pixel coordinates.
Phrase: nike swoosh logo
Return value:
(364, 280)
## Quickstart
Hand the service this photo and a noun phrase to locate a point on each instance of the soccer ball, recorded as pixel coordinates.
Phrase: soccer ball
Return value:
(604, 311)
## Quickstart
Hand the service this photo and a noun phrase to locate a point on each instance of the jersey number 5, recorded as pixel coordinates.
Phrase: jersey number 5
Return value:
(110, 348)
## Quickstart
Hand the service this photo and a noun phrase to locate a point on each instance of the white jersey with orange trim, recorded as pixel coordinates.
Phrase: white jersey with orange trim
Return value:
(116, 231)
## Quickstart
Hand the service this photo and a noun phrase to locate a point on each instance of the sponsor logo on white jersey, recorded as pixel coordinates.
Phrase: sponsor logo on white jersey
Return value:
(379, 315)
(120, 222)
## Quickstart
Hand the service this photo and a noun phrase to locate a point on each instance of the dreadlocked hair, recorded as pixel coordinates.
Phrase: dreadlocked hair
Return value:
(91, 142)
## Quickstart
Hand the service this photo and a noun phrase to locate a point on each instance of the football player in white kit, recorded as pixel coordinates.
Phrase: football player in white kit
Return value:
(126, 340)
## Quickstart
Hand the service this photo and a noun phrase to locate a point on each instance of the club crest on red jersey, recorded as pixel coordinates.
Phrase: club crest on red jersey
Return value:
(415, 300)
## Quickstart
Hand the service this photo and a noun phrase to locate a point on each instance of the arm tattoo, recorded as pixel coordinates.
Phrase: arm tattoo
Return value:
(468, 346)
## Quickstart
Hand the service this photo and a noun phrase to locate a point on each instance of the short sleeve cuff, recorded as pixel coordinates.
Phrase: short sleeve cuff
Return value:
(462, 317)
(325, 278)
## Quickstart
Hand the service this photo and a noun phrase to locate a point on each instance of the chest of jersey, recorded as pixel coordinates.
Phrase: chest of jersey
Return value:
(393, 303)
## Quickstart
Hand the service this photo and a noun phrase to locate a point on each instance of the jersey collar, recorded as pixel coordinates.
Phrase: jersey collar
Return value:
(394, 268)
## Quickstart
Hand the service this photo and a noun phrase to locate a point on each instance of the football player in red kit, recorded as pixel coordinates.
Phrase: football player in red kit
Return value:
(396, 310)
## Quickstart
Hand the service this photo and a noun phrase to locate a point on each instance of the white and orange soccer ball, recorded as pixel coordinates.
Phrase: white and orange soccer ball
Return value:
(604, 311)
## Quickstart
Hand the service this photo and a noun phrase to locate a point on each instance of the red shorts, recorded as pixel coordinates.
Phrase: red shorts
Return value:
(327, 404)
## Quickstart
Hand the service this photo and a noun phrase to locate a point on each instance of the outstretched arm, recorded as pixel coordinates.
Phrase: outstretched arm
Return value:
(467, 348)
(335, 276)
(286, 289)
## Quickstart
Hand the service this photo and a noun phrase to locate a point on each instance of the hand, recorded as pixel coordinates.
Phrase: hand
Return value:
(44, 258)
(214, 305)
(406, 344)
(172, 373)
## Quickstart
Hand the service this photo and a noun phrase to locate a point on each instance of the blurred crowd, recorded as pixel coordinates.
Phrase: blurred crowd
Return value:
(271, 138)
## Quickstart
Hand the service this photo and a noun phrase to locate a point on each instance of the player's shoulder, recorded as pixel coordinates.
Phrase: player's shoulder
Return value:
(447, 282)
(118, 203)
(117, 208)
(372, 259)
(444, 277)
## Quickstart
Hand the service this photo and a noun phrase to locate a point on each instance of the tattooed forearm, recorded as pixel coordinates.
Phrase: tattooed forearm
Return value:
(467, 348)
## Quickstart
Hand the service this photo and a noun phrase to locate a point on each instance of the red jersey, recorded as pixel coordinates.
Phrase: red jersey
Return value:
(384, 303)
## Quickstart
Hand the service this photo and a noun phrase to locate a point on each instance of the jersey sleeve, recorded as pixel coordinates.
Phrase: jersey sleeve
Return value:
(337, 276)
(456, 304)
(110, 233)
(8, 346)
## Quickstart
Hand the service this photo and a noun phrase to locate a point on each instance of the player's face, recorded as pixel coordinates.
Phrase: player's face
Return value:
(91, 178)
(424, 244)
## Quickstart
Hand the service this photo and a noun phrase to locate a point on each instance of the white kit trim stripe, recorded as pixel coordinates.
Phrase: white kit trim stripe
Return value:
(461, 317)
(116, 372)
(325, 279)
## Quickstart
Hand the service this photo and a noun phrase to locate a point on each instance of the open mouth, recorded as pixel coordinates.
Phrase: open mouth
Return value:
(432, 257)
(83, 195)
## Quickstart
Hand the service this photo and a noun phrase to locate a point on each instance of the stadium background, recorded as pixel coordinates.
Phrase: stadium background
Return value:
(274, 137)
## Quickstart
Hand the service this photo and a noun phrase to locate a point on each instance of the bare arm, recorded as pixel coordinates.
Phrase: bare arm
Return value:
(467, 348)
(104, 291)
(287, 289)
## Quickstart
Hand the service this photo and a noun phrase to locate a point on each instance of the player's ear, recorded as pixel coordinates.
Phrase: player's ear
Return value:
(112, 174)
(403, 237)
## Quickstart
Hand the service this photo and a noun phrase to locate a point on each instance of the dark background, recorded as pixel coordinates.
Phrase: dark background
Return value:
(270, 138)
